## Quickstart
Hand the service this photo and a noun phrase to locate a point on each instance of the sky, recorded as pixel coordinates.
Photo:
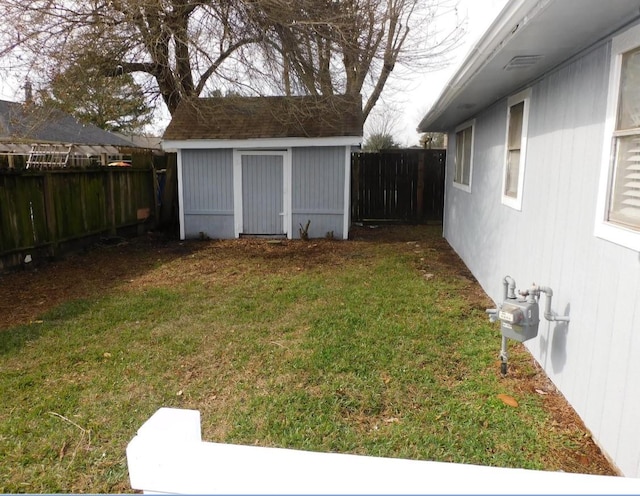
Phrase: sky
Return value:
(410, 99)
(422, 93)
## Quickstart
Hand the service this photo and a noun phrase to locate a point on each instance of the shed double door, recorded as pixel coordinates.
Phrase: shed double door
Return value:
(262, 194)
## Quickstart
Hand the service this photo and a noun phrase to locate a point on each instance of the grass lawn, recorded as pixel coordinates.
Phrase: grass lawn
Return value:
(377, 346)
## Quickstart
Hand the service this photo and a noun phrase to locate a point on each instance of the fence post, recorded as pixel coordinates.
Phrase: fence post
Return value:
(50, 211)
(420, 191)
(111, 203)
(155, 189)
(169, 214)
(355, 186)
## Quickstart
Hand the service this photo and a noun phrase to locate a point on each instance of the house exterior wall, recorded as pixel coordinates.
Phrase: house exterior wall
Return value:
(318, 191)
(594, 360)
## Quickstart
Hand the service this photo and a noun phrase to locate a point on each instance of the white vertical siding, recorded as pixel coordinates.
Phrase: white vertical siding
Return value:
(594, 359)
(207, 183)
(318, 190)
(207, 180)
(317, 180)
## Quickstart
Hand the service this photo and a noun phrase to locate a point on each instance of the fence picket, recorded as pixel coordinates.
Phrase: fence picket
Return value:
(404, 185)
(40, 210)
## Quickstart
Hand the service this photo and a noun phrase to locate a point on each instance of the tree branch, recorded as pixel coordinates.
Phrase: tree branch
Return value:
(220, 59)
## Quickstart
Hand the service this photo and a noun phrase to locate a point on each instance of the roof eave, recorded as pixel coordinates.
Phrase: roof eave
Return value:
(478, 57)
(553, 30)
(260, 143)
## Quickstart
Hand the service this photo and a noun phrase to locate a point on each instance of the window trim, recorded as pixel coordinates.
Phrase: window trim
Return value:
(605, 229)
(525, 97)
(466, 125)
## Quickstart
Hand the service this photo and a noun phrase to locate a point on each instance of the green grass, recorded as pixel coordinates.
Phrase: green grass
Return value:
(358, 353)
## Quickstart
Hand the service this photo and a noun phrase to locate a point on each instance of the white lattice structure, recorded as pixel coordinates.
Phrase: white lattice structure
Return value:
(48, 156)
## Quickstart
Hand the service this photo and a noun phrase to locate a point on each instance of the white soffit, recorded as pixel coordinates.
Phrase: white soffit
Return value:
(527, 39)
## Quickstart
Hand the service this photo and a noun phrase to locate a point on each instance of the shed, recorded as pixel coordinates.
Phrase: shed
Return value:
(543, 184)
(264, 166)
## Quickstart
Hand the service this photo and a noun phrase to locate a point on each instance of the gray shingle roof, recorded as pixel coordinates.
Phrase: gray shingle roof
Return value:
(33, 123)
(266, 117)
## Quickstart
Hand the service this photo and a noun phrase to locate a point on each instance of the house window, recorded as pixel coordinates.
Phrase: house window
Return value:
(619, 196)
(464, 156)
(624, 205)
(515, 149)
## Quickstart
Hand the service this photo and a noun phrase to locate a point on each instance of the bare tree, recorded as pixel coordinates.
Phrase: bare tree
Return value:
(353, 46)
(384, 120)
(381, 128)
(179, 44)
(315, 47)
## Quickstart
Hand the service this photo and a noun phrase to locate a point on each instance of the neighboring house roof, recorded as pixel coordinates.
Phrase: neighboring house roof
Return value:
(149, 142)
(32, 123)
(527, 39)
(230, 118)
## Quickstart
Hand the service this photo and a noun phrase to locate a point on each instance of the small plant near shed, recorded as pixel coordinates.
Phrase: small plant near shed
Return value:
(304, 231)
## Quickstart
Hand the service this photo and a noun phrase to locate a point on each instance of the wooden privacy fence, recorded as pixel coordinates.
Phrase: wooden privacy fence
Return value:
(45, 211)
(405, 185)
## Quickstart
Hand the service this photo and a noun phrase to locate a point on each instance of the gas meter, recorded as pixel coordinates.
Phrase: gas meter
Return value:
(519, 319)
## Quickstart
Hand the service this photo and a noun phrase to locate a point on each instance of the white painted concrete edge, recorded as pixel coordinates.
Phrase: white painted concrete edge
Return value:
(168, 456)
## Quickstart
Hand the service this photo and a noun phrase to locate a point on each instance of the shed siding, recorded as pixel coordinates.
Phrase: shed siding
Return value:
(595, 359)
(318, 190)
(208, 193)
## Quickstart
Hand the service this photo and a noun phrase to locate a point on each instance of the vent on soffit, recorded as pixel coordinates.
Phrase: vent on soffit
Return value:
(466, 106)
(522, 62)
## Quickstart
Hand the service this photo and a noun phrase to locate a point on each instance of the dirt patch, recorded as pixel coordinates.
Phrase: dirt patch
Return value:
(582, 455)
(103, 268)
(28, 294)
